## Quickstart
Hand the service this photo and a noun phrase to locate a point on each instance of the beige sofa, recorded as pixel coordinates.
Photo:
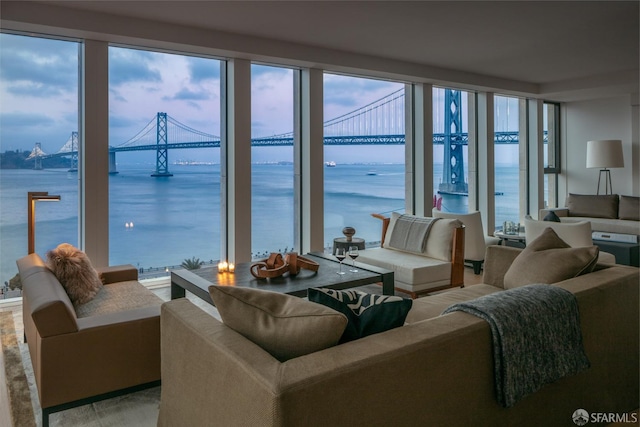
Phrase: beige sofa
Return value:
(606, 213)
(437, 370)
(79, 354)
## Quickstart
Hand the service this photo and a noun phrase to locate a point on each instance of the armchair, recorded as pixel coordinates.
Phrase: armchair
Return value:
(475, 241)
(576, 234)
(106, 347)
(438, 265)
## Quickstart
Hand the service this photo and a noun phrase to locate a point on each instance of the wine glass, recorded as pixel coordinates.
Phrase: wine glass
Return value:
(353, 254)
(340, 255)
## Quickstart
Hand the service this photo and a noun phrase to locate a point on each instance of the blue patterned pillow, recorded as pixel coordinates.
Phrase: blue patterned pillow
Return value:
(367, 314)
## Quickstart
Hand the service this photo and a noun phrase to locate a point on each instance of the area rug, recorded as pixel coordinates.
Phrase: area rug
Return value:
(17, 384)
(134, 409)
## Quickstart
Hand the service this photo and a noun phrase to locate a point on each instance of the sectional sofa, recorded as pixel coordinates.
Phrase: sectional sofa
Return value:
(436, 370)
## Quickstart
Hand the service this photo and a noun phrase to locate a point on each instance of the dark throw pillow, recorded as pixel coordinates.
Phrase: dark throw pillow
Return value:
(551, 216)
(367, 313)
(549, 259)
(75, 273)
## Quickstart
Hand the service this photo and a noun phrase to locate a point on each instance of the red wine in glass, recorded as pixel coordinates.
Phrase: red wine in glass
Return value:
(340, 256)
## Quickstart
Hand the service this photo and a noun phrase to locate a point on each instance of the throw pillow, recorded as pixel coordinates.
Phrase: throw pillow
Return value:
(629, 208)
(367, 313)
(75, 273)
(283, 325)
(593, 206)
(551, 216)
(549, 259)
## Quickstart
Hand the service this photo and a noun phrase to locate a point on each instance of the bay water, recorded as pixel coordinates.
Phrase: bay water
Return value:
(157, 223)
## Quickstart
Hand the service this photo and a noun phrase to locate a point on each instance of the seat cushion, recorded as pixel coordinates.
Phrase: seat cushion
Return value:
(118, 297)
(283, 325)
(408, 268)
(433, 305)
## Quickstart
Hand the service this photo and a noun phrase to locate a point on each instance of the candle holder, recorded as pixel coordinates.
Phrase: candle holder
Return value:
(226, 267)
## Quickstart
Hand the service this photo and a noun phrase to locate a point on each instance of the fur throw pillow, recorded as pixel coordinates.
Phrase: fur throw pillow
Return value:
(75, 273)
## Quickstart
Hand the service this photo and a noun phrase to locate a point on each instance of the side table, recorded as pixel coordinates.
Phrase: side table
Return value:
(516, 240)
(341, 242)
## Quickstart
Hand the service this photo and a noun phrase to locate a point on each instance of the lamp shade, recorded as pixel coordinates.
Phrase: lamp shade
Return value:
(605, 153)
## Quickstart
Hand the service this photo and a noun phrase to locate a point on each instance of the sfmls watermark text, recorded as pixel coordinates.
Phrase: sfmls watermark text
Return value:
(581, 417)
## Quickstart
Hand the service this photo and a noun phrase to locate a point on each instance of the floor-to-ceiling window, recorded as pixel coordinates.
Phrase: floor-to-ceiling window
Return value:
(551, 123)
(363, 153)
(450, 150)
(272, 198)
(38, 127)
(507, 160)
(164, 184)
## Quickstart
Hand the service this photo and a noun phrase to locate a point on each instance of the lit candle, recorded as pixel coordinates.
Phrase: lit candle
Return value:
(232, 267)
(221, 267)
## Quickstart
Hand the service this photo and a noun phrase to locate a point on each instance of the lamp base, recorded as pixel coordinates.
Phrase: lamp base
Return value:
(607, 181)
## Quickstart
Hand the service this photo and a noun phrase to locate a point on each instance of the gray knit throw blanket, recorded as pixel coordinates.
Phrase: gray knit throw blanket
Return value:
(536, 337)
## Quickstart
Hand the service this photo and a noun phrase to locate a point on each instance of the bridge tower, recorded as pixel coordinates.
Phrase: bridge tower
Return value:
(453, 168)
(162, 158)
(37, 156)
(74, 150)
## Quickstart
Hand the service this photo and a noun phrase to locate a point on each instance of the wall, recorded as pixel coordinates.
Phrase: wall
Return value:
(608, 118)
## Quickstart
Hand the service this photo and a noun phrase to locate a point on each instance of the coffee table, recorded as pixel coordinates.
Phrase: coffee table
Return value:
(198, 281)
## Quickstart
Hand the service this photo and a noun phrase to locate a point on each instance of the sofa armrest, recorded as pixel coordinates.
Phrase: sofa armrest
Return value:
(385, 224)
(497, 260)
(108, 352)
(117, 273)
(203, 357)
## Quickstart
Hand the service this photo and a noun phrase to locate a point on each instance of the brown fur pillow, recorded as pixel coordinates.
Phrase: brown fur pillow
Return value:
(75, 273)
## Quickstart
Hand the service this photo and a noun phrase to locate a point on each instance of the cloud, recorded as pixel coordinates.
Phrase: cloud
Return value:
(22, 130)
(186, 94)
(38, 67)
(347, 91)
(128, 65)
(203, 69)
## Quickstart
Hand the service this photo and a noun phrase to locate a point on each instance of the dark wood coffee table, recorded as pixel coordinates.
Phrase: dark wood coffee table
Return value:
(198, 281)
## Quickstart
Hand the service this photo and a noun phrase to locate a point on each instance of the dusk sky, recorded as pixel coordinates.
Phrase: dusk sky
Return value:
(39, 99)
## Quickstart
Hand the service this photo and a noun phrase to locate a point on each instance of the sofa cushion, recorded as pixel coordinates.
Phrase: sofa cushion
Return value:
(548, 259)
(433, 305)
(368, 314)
(629, 208)
(410, 233)
(118, 297)
(75, 273)
(608, 225)
(283, 325)
(407, 267)
(598, 206)
(439, 241)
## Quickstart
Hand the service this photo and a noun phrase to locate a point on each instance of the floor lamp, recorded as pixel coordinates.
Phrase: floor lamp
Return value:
(605, 154)
(32, 198)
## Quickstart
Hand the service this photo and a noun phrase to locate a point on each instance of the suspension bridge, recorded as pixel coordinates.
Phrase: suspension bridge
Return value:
(381, 122)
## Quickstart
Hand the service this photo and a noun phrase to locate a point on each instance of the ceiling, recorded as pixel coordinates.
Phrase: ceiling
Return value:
(539, 42)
